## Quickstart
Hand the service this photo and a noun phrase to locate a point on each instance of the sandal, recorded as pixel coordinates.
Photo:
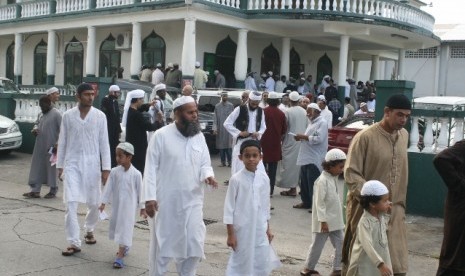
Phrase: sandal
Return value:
(32, 195)
(89, 238)
(301, 206)
(50, 195)
(287, 193)
(307, 272)
(70, 251)
(126, 251)
(118, 263)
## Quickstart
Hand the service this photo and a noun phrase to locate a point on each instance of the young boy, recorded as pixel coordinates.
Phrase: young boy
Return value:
(123, 190)
(246, 214)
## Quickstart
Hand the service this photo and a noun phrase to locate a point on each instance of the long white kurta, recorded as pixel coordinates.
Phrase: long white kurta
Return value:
(122, 190)
(174, 176)
(247, 208)
(237, 164)
(83, 151)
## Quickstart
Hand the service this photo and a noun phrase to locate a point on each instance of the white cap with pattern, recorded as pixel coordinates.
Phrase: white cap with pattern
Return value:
(127, 147)
(374, 188)
(335, 154)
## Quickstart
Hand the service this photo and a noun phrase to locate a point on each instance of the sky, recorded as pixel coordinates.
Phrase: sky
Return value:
(447, 11)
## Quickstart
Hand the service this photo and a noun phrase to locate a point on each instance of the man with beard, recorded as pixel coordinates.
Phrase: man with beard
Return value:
(173, 78)
(173, 186)
(244, 123)
(110, 107)
(54, 95)
(223, 138)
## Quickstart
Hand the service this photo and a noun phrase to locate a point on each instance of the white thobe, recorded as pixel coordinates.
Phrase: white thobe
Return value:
(250, 84)
(247, 208)
(174, 176)
(122, 190)
(269, 84)
(237, 164)
(158, 77)
(83, 151)
(280, 86)
(327, 116)
(371, 105)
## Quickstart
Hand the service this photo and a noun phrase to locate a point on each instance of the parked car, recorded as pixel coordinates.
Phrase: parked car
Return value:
(10, 135)
(8, 86)
(342, 134)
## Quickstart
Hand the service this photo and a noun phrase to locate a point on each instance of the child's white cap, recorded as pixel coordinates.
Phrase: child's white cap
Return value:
(374, 188)
(127, 147)
(335, 154)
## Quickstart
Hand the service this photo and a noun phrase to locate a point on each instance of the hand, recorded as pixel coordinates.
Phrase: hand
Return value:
(324, 227)
(244, 134)
(384, 270)
(105, 177)
(143, 214)
(269, 235)
(153, 102)
(102, 207)
(255, 135)
(159, 116)
(232, 241)
(151, 207)
(211, 181)
(60, 174)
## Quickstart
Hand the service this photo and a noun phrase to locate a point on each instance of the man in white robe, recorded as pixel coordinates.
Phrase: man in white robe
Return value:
(83, 162)
(245, 128)
(173, 185)
(326, 114)
(157, 75)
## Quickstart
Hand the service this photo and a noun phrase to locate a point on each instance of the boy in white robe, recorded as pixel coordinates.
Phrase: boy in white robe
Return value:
(122, 191)
(246, 214)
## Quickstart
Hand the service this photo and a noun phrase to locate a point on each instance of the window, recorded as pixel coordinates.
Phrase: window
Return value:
(422, 53)
(153, 50)
(110, 59)
(40, 63)
(295, 67)
(74, 56)
(457, 52)
(10, 61)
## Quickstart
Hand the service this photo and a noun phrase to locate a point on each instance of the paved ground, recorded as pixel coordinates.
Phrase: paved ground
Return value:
(33, 234)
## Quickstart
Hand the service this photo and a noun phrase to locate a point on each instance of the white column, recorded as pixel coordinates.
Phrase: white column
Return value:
(51, 56)
(136, 51)
(356, 63)
(90, 52)
(387, 70)
(374, 74)
(188, 48)
(285, 57)
(343, 53)
(240, 61)
(443, 69)
(350, 72)
(401, 65)
(18, 63)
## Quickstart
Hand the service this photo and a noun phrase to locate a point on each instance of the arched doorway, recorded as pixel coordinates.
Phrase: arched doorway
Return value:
(110, 59)
(10, 61)
(270, 60)
(74, 56)
(295, 67)
(225, 59)
(40, 63)
(153, 50)
(324, 67)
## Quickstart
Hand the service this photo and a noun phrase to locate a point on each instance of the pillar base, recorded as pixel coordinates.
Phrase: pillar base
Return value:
(50, 79)
(18, 80)
(239, 84)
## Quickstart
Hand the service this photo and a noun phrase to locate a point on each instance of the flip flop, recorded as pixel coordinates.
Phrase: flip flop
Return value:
(287, 193)
(301, 206)
(89, 238)
(70, 251)
(118, 263)
(50, 195)
(32, 195)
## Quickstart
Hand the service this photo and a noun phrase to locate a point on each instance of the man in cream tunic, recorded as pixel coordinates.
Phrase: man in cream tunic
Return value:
(174, 179)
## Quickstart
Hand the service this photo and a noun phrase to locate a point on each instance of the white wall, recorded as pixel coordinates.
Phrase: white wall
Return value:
(455, 77)
(422, 72)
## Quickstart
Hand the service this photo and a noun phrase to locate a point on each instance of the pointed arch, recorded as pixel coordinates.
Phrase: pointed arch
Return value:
(110, 58)
(10, 61)
(295, 66)
(225, 60)
(153, 50)
(270, 60)
(324, 67)
(40, 63)
(74, 60)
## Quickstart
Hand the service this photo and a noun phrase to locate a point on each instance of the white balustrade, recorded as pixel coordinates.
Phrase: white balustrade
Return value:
(428, 137)
(7, 12)
(36, 8)
(27, 110)
(64, 6)
(414, 136)
(443, 138)
(458, 131)
(112, 3)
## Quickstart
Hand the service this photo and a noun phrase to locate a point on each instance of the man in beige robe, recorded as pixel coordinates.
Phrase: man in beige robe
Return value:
(379, 152)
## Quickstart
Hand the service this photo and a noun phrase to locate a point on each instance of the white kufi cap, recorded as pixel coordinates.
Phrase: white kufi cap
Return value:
(114, 88)
(321, 98)
(335, 154)
(294, 96)
(314, 106)
(374, 188)
(134, 94)
(197, 64)
(273, 95)
(182, 101)
(52, 90)
(363, 104)
(127, 147)
(255, 96)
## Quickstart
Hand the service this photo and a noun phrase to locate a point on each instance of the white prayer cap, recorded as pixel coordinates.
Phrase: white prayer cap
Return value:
(52, 90)
(216, 72)
(170, 65)
(255, 96)
(294, 96)
(159, 64)
(363, 104)
(160, 86)
(326, 77)
(314, 106)
(335, 154)
(374, 188)
(197, 64)
(182, 101)
(263, 75)
(273, 95)
(114, 88)
(134, 94)
(270, 73)
(127, 147)
(321, 98)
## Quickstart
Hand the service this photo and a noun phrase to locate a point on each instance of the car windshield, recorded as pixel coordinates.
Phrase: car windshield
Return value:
(8, 86)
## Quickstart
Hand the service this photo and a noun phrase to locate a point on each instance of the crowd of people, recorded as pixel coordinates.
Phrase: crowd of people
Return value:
(270, 140)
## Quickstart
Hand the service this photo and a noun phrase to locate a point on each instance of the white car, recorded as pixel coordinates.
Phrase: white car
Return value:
(10, 135)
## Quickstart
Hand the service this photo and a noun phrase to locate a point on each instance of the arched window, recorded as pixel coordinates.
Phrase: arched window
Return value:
(153, 50)
(324, 67)
(295, 67)
(270, 60)
(10, 61)
(110, 59)
(40, 63)
(74, 56)
(225, 59)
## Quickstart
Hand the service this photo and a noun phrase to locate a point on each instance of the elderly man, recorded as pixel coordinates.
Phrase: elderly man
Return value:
(380, 152)
(84, 154)
(269, 83)
(54, 94)
(363, 109)
(313, 147)
(200, 77)
(220, 81)
(250, 83)
(157, 75)
(245, 97)
(223, 138)
(304, 102)
(173, 77)
(325, 112)
(110, 107)
(324, 83)
(174, 187)
(187, 90)
(244, 123)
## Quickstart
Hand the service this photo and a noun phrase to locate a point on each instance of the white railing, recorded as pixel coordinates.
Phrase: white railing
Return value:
(36, 8)
(112, 3)
(227, 3)
(27, 110)
(383, 9)
(67, 90)
(64, 6)
(7, 12)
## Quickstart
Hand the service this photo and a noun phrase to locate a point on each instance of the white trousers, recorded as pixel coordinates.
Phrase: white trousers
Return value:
(72, 223)
(318, 243)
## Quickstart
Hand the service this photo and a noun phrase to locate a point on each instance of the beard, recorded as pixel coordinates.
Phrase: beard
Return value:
(252, 108)
(188, 128)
